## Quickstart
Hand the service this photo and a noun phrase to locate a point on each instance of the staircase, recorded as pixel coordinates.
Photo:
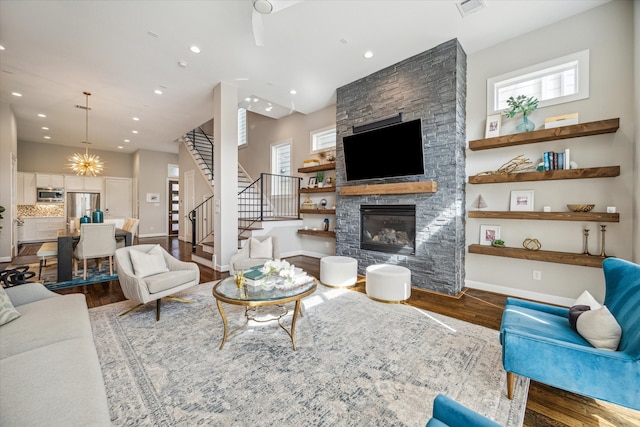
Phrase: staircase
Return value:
(270, 197)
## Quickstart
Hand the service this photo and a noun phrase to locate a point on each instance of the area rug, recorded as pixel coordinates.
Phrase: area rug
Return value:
(359, 362)
(50, 275)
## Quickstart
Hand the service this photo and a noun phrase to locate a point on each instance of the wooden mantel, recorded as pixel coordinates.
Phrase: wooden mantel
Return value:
(395, 188)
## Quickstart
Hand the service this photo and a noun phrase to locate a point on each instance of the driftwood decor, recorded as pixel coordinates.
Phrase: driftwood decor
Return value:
(517, 164)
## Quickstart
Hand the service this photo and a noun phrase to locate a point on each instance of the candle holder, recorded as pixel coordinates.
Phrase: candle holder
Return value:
(602, 230)
(585, 250)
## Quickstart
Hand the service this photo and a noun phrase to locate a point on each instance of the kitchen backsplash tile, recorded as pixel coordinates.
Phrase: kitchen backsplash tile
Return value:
(40, 210)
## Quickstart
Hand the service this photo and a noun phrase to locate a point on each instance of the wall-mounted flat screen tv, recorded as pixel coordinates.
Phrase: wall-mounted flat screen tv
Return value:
(387, 152)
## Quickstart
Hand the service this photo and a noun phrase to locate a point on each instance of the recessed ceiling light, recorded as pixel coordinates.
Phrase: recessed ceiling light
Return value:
(1, 47)
(248, 99)
(18, 94)
(120, 147)
(47, 137)
(152, 34)
(42, 115)
(293, 91)
(182, 64)
(157, 92)
(134, 131)
(194, 49)
(255, 100)
(127, 140)
(136, 119)
(368, 54)
(44, 128)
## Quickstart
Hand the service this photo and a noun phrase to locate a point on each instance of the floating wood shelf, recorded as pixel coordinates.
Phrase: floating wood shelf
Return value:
(558, 216)
(320, 233)
(318, 211)
(318, 190)
(545, 256)
(543, 135)
(323, 167)
(395, 188)
(599, 172)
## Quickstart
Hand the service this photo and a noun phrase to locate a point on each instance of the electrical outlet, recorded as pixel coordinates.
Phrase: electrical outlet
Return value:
(326, 244)
(537, 275)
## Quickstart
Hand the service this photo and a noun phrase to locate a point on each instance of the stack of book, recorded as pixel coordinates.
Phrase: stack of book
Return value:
(254, 276)
(555, 161)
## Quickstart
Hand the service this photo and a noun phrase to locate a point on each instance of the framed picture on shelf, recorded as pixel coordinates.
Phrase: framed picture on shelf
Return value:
(493, 126)
(489, 233)
(313, 182)
(521, 200)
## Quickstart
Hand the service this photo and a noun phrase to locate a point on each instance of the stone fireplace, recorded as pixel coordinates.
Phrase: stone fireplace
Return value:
(388, 228)
(430, 86)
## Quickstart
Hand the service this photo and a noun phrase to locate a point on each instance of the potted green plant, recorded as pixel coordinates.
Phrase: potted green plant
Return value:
(525, 105)
(320, 178)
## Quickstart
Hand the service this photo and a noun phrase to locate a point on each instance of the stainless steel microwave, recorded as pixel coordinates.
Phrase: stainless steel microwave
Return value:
(50, 195)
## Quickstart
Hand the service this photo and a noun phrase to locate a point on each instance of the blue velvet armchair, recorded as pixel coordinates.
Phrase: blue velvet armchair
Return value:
(449, 413)
(539, 343)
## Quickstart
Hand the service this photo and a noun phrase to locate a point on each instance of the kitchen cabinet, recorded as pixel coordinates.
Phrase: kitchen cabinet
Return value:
(26, 188)
(49, 181)
(41, 229)
(83, 183)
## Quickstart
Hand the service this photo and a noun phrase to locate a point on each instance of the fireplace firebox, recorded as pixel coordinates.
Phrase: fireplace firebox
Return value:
(388, 228)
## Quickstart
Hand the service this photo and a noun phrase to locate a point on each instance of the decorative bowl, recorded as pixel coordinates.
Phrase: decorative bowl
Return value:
(580, 208)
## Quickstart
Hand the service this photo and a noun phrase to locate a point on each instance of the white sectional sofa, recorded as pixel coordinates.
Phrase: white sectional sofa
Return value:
(49, 369)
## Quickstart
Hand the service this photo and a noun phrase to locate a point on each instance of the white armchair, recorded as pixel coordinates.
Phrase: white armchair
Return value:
(256, 251)
(148, 272)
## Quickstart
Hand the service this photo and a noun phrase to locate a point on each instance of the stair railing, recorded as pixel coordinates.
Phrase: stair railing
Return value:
(201, 218)
(201, 142)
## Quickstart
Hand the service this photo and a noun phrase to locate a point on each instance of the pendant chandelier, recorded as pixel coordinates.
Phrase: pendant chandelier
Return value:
(85, 163)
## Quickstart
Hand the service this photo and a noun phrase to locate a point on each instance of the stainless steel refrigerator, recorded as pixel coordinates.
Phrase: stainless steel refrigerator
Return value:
(80, 204)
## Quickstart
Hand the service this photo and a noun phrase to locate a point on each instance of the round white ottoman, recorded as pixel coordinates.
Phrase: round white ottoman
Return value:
(338, 271)
(388, 283)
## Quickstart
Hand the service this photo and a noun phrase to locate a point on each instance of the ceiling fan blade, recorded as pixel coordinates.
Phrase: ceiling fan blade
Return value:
(279, 5)
(258, 28)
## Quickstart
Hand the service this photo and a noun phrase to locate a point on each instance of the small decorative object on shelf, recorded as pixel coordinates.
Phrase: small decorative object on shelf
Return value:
(602, 230)
(585, 251)
(517, 164)
(479, 203)
(320, 178)
(323, 203)
(330, 156)
(328, 182)
(498, 243)
(580, 208)
(531, 244)
(325, 225)
(525, 105)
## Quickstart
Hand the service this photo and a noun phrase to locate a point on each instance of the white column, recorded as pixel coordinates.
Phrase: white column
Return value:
(225, 174)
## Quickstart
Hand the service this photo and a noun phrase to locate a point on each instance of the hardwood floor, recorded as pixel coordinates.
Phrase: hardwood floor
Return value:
(546, 406)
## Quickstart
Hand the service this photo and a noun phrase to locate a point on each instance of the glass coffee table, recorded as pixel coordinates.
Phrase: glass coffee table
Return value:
(227, 291)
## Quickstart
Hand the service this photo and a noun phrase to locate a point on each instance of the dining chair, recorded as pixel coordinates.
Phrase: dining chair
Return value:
(130, 225)
(96, 241)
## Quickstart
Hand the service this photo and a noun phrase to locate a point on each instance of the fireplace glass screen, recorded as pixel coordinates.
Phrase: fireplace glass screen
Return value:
(388, 228)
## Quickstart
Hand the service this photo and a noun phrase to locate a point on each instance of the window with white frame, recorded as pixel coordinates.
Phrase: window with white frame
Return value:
(552, 82)
(323, 139)
(242, 127)
(173, 171)
(281, 165)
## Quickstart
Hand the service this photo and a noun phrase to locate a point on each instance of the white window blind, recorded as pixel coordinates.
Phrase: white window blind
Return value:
(552, 82)
(242, 127)
(323, 139)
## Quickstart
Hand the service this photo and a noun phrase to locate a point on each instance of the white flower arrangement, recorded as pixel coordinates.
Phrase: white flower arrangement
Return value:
(280, 267)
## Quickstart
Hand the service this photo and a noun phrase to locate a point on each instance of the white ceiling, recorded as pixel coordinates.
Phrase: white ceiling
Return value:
(121, 51)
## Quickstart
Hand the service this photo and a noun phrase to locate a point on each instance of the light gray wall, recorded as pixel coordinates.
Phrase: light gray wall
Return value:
(52, 158)
(152, 177)
(8, 148)
(201, 188)
(607, 31)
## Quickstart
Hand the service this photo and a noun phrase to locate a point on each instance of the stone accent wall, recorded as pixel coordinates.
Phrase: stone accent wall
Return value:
(430, 86)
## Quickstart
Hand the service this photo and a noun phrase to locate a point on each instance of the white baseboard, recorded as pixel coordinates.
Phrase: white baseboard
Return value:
(313, 254)
(153, 235)
(5, 259)
(200, 260)
(520, 293)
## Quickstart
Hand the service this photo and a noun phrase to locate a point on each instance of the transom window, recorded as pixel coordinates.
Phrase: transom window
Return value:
(552, 82)
(323, 139)
(242, 127)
